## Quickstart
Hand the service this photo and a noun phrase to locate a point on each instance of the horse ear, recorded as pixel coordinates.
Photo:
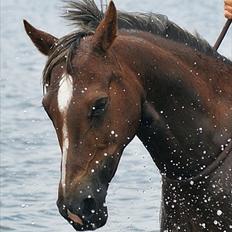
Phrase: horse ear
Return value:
(42, 40)
(107, 29)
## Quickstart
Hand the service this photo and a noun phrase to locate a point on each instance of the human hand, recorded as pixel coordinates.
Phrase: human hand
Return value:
(228, 9)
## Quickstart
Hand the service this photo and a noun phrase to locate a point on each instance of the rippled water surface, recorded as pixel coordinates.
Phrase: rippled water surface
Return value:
(30, 156)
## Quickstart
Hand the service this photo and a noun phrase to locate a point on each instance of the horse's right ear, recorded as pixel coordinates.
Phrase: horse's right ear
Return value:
(106, 31)
(42, 40)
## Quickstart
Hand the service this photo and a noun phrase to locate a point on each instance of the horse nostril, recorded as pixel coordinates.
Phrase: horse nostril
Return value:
(89, 206)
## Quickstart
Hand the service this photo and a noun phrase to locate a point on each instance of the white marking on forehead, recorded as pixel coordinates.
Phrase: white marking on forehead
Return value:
(64, 98)
(65, 93)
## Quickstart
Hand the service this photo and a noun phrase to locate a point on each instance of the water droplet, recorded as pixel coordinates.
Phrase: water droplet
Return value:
(219, 212)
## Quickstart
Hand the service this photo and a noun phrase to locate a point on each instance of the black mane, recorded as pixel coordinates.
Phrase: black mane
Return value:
(86, 16)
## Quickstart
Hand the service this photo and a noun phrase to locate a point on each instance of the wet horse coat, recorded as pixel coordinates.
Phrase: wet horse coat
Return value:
(178, 92)
(183, 199)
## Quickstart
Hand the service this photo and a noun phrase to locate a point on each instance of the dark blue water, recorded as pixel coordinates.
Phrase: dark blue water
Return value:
(30, 156)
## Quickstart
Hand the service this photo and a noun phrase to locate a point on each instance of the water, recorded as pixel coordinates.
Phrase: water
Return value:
(30, 156)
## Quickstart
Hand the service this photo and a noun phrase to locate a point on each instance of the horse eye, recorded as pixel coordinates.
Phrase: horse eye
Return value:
(99, 107)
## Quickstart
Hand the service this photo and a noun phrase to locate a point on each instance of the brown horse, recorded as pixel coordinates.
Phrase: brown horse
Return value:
(139, 74)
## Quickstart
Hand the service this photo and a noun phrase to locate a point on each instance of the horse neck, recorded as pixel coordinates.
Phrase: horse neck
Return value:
(184, 119)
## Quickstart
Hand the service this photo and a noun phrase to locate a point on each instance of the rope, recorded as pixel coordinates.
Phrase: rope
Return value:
(222, 34)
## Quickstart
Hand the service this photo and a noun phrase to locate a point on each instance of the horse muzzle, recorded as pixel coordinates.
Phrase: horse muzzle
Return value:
(84, 213)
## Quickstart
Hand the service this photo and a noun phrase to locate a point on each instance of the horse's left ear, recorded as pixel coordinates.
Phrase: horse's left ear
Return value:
(107, 30)
(42, 40)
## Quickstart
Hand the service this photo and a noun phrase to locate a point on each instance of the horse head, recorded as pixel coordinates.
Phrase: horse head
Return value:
(87, 97)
